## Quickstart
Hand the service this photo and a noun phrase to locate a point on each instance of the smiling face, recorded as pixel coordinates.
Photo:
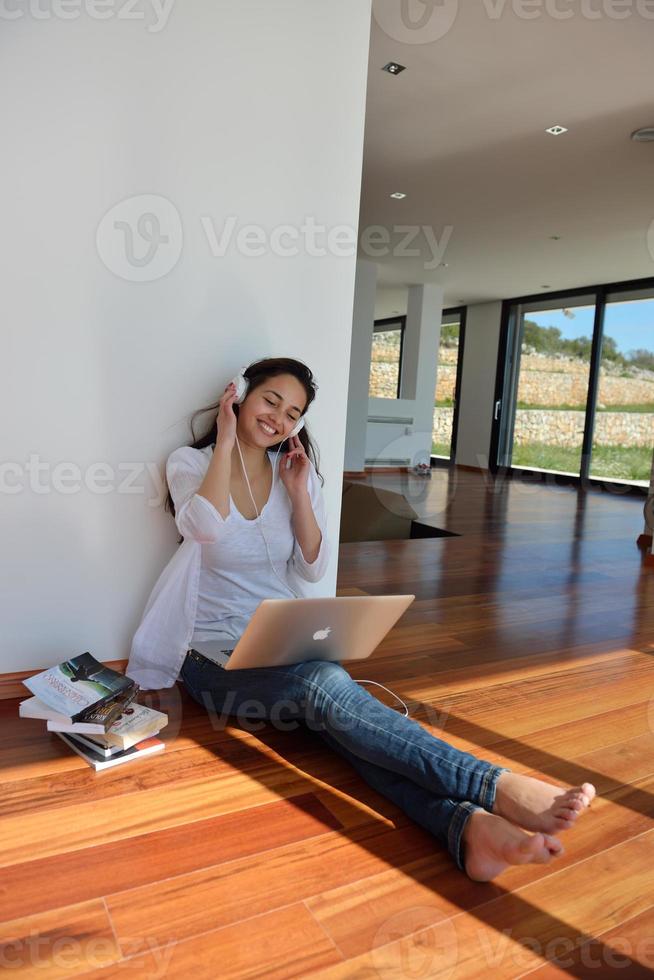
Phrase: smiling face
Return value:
(271, 410)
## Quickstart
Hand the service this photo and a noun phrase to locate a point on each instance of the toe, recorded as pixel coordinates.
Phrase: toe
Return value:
(568, 811)
(530, 847)
(553, 844)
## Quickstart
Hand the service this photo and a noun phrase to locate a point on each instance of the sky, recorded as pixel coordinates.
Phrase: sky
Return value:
(630, 324)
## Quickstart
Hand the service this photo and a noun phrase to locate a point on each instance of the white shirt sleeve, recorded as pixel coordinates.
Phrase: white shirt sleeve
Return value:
(313, 571)
(195, 516)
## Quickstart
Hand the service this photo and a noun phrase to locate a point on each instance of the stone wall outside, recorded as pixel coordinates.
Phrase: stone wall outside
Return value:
(565, 428)
(545, 380)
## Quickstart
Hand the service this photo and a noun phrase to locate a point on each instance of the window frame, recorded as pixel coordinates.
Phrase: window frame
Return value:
(600, 292)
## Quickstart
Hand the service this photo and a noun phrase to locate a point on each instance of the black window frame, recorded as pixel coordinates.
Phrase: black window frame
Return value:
(461, 312)
(600, 291)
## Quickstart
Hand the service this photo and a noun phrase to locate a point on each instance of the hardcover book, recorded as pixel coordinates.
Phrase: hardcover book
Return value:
(79, 689)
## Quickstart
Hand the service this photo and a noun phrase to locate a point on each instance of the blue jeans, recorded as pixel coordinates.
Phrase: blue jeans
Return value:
(436, 785)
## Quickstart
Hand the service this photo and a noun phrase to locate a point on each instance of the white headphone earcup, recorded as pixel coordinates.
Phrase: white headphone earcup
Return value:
(241, 387)
(298, 428)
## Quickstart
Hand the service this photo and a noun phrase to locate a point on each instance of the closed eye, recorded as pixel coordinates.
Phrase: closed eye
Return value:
(291, 417)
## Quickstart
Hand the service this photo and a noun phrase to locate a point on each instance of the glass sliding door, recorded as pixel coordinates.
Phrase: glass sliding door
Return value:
(546, 380)
(623, 432)
(448, 384)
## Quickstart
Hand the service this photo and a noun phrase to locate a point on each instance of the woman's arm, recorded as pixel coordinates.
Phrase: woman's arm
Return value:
(305, 525)
(311, 549)
(215, 486)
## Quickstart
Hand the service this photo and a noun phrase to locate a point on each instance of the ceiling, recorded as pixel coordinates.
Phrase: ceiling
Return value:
(462, 133)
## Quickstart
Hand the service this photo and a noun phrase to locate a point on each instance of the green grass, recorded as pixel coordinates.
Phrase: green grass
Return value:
(644, 408)
(617, 462)
(443, 403)
(440, 449)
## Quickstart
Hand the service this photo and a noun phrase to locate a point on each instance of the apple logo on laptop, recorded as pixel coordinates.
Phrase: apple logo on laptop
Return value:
(322, 634)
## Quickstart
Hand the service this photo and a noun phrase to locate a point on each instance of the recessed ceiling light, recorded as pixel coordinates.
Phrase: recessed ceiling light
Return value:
(644, 135)
(394, 68)
(398, 195)
(556, 130)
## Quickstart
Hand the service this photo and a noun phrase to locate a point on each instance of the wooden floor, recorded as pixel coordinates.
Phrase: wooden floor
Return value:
(234, 854)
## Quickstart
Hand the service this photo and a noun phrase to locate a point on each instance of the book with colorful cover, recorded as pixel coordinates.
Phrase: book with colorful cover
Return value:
(81, 688)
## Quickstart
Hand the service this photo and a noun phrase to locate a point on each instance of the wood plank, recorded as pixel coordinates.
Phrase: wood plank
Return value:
(148, 857)
(354, 914)
(188, 904)
(627, 949)
(508, 936)
(280, 945)
(83, 825)
(62, 943)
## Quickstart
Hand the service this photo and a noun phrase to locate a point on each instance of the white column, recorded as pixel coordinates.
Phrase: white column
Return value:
(424, 315)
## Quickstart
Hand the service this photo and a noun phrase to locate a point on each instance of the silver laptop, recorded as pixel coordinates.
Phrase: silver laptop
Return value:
(287, 631)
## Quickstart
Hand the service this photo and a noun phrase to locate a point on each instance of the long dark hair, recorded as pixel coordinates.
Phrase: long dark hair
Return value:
(256, 374)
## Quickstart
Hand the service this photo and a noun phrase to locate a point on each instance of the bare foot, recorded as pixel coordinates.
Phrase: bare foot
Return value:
(491, 844)
(537, 805)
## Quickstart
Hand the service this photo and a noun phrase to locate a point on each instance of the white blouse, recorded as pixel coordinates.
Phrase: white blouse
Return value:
(220, 573)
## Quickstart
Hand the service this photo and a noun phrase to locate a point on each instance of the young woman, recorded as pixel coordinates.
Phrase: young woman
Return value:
(487, 816)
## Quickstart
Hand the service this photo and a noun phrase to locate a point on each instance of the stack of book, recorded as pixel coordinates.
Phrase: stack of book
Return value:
(93, 709)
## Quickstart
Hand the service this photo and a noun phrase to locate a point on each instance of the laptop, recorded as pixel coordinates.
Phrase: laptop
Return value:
(288, 631)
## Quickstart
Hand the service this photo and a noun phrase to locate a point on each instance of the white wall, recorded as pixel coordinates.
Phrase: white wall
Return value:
(360, 352)
(391, 301)
(231, 108)
(478, 384)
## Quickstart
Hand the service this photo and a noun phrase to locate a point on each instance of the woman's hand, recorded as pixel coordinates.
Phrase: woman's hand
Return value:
(226, 419)
(295, 477)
